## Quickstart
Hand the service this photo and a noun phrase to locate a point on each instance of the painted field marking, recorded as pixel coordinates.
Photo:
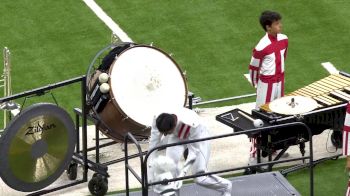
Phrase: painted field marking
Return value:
(330, 67)
(107, 20)
(247, 76)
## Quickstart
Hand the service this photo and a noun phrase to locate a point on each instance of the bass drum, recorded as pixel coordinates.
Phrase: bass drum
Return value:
(132, 85)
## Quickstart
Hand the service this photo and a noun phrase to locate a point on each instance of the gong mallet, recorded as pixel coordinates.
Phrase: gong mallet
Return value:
(256, 122)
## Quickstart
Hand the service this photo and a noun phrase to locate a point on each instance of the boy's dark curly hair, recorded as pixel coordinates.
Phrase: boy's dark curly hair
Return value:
(268, 17)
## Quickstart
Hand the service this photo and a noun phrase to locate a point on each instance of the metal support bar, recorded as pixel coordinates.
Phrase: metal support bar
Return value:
(77, 129)
(128, 168)
(97, 144)
(41, 90)
(56, 188)
(224, 99)
(96, 167)
(84, 129)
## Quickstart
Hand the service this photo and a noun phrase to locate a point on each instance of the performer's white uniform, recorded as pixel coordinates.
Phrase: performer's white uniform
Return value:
(266, 71)
(267, 68)
(189, 127)
(346, 140)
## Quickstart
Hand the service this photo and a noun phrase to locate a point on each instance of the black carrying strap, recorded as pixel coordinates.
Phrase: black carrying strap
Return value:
(109, 58)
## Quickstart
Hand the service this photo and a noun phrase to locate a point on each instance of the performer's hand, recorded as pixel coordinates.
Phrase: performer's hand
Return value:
(183, 173)
(186, 167)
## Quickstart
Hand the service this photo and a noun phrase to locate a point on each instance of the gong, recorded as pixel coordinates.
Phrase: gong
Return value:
(36, 147)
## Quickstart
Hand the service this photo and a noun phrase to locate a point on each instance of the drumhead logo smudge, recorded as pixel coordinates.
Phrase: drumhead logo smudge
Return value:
(39, 127)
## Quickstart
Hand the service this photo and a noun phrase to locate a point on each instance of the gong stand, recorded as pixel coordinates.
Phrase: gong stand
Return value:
(79, 156)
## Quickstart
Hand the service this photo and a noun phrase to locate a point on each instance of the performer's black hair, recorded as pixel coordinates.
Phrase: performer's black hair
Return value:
(268, 17)
(165, 122)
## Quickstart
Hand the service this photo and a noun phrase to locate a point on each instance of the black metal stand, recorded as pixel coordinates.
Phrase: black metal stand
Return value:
(43, 90)
(80, 155)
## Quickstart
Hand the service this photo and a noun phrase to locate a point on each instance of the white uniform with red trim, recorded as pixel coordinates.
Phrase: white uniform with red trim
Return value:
(346, 130)
(346, 139)
(267, 68)
(266, 71)
(189, 127)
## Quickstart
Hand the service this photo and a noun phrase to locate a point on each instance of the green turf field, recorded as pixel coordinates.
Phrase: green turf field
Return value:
(213, 40)
(330, 178)
(50, 41)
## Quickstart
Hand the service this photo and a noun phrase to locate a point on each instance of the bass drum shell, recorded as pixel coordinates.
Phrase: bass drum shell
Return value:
(137, 93)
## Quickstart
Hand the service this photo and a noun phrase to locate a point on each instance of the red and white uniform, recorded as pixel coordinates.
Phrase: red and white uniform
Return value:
(346, 130)
(189, 127)
(346, 139)
(266, 68)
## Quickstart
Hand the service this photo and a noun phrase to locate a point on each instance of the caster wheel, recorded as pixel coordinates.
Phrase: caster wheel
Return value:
(72, 171)
(97, 174)
(249, 171)
(336, 139)
(335, 158)
(98, 185)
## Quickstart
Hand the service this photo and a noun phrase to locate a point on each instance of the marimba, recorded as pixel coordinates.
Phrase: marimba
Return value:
(329, 91)
(331, 94)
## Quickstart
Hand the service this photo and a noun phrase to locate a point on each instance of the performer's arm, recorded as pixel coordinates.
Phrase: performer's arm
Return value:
(254, 67)
(193, 153)
(155, 137)
(285, 52)
(154, 141)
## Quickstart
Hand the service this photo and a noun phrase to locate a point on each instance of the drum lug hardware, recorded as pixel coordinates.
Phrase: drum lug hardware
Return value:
(125, 118)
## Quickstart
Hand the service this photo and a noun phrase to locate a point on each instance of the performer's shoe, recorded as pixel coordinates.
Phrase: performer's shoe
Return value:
(249, 171)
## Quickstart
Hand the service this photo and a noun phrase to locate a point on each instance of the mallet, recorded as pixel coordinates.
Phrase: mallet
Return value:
(256, 122)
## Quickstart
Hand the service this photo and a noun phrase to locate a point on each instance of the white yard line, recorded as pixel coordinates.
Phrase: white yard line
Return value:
(330, 67)
(248, 77)
(107, 20)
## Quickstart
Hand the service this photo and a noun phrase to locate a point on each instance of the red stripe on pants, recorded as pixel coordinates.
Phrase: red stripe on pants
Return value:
(269, 92)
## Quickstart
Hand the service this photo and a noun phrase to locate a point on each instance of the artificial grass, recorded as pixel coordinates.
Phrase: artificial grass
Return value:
(330, 178)
(213, 40)
(50, 41)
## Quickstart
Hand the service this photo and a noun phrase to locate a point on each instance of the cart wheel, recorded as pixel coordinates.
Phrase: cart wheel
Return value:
(97, 174)
(335, 158)
(336, 139)
(98, 185)
(72, 170)
(249, 171)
